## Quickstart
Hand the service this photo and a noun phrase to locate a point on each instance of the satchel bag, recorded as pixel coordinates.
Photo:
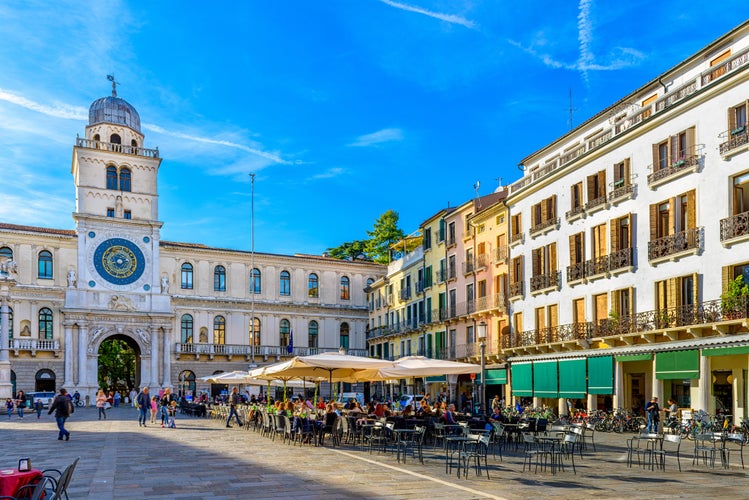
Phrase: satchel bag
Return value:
(107, 405)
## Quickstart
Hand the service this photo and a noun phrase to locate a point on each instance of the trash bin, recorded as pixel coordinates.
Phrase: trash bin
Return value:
(87, 400)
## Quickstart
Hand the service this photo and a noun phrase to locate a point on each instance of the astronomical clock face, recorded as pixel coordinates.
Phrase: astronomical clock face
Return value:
(119, 262)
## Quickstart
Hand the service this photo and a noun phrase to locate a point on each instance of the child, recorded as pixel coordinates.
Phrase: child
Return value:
(9, 406)
(172, 414)
(38, 406)
(154, 408)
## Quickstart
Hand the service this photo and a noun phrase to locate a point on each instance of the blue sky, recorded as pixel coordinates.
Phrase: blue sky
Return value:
(343, 109)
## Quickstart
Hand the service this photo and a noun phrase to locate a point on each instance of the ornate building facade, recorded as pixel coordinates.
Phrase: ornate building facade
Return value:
(186, 309)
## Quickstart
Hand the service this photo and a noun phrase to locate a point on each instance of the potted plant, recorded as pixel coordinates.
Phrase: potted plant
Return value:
(734, 299)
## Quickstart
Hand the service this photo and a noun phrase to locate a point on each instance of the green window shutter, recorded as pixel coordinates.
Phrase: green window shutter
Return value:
(726, 351)
(522, 379)
(634, 357)
(496, 377)
(572, 378)
(677, 365)
(601, 375)
(545, 379)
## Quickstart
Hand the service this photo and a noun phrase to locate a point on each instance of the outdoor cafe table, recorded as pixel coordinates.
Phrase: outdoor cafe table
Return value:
(400, 436)
(456, 444)
(553, 443)
(11, 480)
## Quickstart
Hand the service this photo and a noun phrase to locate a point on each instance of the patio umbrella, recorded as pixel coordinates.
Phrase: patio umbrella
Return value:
(419, 366)
(235, 377)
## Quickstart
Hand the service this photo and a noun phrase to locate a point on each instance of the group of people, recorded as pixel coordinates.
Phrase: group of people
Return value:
(147, 403)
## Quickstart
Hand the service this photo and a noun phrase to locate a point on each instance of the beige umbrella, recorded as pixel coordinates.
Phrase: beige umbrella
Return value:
(419, 366)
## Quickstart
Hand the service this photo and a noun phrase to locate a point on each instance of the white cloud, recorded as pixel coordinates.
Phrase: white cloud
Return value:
(450, 18)
(379, 137)
(58, 110)
(620, 58)
(329, 174)
(584, 37)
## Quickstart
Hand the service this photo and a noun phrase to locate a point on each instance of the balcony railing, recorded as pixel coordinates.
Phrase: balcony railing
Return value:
(729, 65)
(596, 266)
(500, 255)
(516, 289)
(544, 281)
(576, 271)
(622, 191)
(572, 155)
(736, 138)
(734, 226)
(576, 211)
(440, 275)
(33, 345)
(483, 260)
(483, 303)
(674, 244)
(406, 293)
(260, 350)
(596, 202)
(684, 316)
(500, 302)
(621, 259)
(676, 95)
(516, 238)
(469, 266)
(679, 165)
(116, 148)
(545, 225)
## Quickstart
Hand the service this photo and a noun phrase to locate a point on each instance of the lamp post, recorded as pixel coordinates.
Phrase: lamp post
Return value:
(481, 331)
(252, 271)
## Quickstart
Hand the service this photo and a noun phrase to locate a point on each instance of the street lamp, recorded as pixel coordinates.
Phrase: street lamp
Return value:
(252, 272)
(481, 331)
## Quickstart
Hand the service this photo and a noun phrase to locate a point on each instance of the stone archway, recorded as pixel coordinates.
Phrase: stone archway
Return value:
(119, 364)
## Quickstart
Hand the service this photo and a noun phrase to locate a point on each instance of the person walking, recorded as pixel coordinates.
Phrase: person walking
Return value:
(38, 406)
(166, 401)
(234, 400)
(653, 412)
(133, 397)
(154, 408)
(9, 406)
(63, 408)
(117, 398)
(20, 403)
(101, 400)
(143, 403)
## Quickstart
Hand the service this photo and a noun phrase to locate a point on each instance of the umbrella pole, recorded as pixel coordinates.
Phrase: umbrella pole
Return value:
(284, 390)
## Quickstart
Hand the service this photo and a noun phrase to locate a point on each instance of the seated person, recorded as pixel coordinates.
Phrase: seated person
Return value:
(496, 415)
(449, 416)
(424, 409)
(407, 411)
(355, 408)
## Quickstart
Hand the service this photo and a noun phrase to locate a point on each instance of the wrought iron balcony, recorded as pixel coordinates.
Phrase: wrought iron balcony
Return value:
(674, 244)
(516, 238)
(597, 266)
(544, 281)
(483, 303)
(736, 138)
(500, 255)
(469, 267)
(406, 293)
(116, 148)
(621, 191)
(678, 166)
(482, 260)
(576, 272)
(545, 225)
(621, 259)
(596, 202)
(516, 289)
(500, 302)
(734, 226)
(575, 212)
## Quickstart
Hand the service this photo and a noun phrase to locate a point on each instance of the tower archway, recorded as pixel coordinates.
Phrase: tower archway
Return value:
(119, 364)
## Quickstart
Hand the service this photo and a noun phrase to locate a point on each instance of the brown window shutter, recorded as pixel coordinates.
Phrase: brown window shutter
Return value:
(614, 225)
(573, 249)
(553, 315)
(519, 322)
(615, 302)
(553, 207)
(732, 119)
(653, 222)
(591, 188)
(553, 257)
(536, 262)
(656, 163)
(671, 216)
(521, 274)
(544, 213)
(691, 209)
(691, 151)
(631, 311)
(540, 318)
(626, 172)
(572, 196)
(671, 291)
(673, 149)
(726, 276)
(601, 184)
(695, 288)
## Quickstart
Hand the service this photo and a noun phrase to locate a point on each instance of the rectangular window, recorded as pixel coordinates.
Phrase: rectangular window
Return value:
(737, 119)
(427, 243)
(451, 233)
(598, 234)
(516, 225)
(576, 196)
(577, 248)
(127, 214)
(675, 151)
(621, 174)
(110, 212)
(596, 187)
(441, 235)
(740, 194)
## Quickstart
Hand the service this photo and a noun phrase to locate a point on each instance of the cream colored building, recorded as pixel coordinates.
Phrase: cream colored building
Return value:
(186, 309)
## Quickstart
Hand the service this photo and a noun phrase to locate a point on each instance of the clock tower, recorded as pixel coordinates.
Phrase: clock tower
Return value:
(116, 289)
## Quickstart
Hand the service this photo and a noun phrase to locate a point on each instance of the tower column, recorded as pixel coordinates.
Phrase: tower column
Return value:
(167, 356)
(154, 358)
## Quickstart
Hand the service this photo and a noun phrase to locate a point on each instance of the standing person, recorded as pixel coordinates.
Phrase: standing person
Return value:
(133, 397)
(76, 397)
(20, 403)
(154, 408)
(101, 398)
(234, 400)
(143, 402)
(672, 412)
(38, 406)
(63, 408)
(117, 398)
(653, 412)
(166, 401)
(496, 403)
(9, 406)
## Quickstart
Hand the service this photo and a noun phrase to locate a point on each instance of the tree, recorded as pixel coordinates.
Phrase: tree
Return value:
(734, 299)
(116, 364)
(356, 249)
(384, 233)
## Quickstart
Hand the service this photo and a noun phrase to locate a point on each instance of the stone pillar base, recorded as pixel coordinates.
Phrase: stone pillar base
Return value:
(6, 388)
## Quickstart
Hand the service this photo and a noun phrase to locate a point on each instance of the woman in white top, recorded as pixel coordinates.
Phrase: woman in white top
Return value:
(101, 400)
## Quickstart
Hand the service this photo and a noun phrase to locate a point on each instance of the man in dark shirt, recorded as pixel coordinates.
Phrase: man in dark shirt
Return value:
(63, 407)
(652, 410)
(234, 400)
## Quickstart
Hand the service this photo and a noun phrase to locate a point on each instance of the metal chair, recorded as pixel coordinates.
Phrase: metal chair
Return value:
(61, 482)
(475, 451)
(674, 439)
(738, 439)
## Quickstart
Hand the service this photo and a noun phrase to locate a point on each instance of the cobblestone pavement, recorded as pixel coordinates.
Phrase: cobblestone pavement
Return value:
(201, 458)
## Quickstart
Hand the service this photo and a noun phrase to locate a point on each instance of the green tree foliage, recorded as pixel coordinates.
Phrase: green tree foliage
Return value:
(350, 250)
(384, 233)
(116, 365)
(735, 296)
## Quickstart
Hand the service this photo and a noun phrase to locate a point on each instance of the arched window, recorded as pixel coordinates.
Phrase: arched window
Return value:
(45, 380)
(10, 322)
(219, 330)
(111, 177)
(285, 283)
(283, 332)
(312, 331)
(187, 276)
(124, 179)
(45, 324)
(345, 288)
(97, 138)
(187, 382)
(134, 144)
(370, 282)
(257, 332)
(6, 253)
(255, 281)
(45, 265)
(186, 328)
(344, 335)
(115, 139)
(219, 279)
(313, 285)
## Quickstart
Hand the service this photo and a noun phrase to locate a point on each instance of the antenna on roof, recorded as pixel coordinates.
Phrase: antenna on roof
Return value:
(499, 180)
(571, 111)
(114, 85)
(476, 188)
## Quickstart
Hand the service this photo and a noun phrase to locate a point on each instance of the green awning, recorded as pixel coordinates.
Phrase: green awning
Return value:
(522, 379)
(436, 379)
(601, 375)
(635, 357)
(545, 379)
(673, 365)
(497, 376)
(726, 351)
(572, 380)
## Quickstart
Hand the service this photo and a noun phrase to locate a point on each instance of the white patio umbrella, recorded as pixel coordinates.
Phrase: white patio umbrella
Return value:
(235, 377)
(419, 366)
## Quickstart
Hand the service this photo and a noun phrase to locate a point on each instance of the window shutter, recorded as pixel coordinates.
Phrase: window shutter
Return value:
(544, 213)
(572, 196)
(656, 163)
(726, 272)
(731, 120)
(591, 188)
(553, 315)
(614, 224)
(653, 222)
(553, 257)
(672, 216)
(553, 207)
(691, 210)
(513, 279)
(615, 302)
(695, 288)
(573, 249)
(601, 184)
(690, 142)
(540, 318)
(626, 172)
(536, 263)
(671, 292)
(520, 269)
(673, 149)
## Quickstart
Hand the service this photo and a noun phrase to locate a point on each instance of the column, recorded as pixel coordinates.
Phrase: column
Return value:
(618, 399)
(6, 388)
(657, 387)
(562, 407)
(167, 357)
(592, 402)
(703, 391)
(68, 355)
(82, 355)
(154, 359)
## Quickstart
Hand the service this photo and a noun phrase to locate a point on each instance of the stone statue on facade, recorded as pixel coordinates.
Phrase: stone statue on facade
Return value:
(120, 303)
(72, 278)
(8, 268)
(165, 284)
